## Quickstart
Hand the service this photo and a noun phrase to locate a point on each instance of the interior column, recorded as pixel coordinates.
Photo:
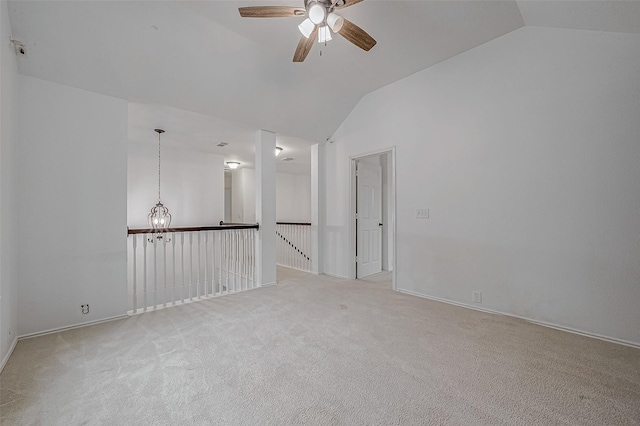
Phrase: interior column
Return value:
(266, 207)
(318, 208)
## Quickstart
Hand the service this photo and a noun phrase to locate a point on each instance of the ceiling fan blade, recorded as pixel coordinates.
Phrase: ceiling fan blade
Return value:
(341, 4)
(271, 11)
(304, 46)
(357, 35)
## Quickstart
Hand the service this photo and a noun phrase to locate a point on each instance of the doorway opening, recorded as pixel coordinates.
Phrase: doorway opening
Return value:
(373, 207)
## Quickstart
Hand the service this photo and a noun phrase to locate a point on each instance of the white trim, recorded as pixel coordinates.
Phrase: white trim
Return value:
(352, 211)
(542, 323)
(187, 302)
(294, 268)
(394, 222)
(342, 277)
(353, 190)
(8, 355)
(70, 327)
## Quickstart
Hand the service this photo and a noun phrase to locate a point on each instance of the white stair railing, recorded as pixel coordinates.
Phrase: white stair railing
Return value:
(185, 264)
(294, 245)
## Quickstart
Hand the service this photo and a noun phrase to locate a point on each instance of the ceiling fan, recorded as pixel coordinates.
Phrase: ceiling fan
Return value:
(321, 20)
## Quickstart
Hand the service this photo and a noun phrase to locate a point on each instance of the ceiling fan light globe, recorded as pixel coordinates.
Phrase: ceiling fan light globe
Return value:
(306, 27)
(324, 34)
(335, 22)
(317, 13)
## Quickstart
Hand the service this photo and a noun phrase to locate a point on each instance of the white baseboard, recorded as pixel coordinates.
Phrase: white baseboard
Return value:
(268, 284)
(297, 269)
(8, 355)
(70, 327)
(334, 275)
(542, 323)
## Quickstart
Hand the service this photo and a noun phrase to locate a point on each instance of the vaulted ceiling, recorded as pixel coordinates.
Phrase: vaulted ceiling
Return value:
(203, 57)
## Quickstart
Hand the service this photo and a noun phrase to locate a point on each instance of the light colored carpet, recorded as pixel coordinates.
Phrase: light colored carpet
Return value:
(321, 351)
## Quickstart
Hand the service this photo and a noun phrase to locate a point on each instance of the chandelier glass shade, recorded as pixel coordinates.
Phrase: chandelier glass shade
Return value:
(159, 217)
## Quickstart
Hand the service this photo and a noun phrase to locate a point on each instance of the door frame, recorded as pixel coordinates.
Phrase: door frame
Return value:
(391, 200)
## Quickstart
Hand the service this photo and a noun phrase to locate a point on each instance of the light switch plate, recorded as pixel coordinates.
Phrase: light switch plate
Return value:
(422, 213)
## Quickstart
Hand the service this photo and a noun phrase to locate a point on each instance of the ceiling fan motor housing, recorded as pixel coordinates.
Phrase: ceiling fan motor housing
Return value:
(327, 4)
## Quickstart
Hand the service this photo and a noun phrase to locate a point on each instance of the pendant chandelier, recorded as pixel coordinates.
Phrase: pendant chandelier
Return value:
(159, 217)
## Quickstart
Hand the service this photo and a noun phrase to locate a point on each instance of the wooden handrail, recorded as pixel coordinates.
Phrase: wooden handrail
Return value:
(197, 228)
(277, 223)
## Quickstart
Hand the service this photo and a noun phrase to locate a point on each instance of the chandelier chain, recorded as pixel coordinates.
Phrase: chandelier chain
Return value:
(159, 199)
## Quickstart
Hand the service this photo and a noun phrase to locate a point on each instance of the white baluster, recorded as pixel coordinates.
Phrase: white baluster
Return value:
(144, 271)
(164, 267)
(182, 266)
(190, 266)
(217, 263)
(155, 271)
(229, 260)
(254, 263)
(299, 246)
(236, 281)
(246, 259)
(135, 292)
(173, 256)
(199, 292)
(206, 263)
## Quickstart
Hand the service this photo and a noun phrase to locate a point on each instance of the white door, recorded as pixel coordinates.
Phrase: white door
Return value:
(369, 218)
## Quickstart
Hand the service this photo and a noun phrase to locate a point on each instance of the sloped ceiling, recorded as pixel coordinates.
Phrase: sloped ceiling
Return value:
(202, 57)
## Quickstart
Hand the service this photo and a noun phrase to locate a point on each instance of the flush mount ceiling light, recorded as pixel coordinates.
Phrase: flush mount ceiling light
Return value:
(320, 18)
(159, 217)
(278, 150)
(233, 164)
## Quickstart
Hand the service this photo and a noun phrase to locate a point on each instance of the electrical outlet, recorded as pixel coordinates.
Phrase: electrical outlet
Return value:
(422, 213)
(85, 309)
(477, 297)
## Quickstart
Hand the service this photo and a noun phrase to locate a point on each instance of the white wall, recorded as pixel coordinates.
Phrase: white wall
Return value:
(192, 184)
(243, 195)
(8, 217)
(293, 198)
(72, 165)
(227, 197)
(526, 152)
